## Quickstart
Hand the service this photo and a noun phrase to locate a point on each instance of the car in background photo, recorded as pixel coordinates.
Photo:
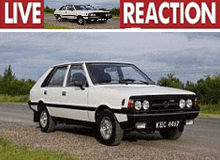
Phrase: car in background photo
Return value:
(81, 13)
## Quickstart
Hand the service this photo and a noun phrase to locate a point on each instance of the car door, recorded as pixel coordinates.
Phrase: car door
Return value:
(53, 90)
(71, 12)
(75, 98)
(63, 12)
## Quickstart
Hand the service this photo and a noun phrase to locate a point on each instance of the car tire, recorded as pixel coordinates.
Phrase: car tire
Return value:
(109, 129)
(59, 19)
(172, 133)
(80, 20)
(45, 121)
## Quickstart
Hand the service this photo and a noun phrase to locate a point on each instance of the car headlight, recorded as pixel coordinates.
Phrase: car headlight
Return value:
(182, 103)
(189, 103)
(137, 105)
(146, 105)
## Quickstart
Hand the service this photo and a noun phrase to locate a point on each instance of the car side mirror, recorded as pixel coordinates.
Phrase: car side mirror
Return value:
(79, 84)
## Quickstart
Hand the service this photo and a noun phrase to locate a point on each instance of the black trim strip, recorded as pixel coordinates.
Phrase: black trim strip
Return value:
(71, 107)
(123, 110)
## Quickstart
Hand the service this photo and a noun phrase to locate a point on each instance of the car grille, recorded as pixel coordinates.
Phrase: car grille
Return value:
(163, 102)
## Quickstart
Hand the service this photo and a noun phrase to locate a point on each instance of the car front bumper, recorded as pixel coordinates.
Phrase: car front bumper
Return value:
(151, 119)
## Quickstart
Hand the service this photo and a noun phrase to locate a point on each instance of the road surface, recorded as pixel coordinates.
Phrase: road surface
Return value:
(200, 141)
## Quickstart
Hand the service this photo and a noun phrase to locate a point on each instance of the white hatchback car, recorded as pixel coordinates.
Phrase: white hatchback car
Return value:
(112, 97)
(81, 13)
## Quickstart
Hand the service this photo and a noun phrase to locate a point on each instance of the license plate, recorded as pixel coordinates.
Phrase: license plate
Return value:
(167, 124)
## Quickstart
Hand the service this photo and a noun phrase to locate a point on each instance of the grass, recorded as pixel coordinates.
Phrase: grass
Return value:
(16, 99)
(10, 152)
(210, 109)
(47, 26)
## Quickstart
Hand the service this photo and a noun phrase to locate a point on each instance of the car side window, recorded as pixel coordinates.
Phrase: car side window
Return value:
(76, 73)
(63, 8)
(70, 8)
(58, 77)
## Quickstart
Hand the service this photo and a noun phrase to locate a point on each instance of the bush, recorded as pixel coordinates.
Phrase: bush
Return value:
(115, 11)
(170, 81)
(208, 90)
(10, 85)
(49, 10)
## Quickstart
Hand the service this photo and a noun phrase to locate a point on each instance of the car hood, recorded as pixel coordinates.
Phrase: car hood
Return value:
(133, 90)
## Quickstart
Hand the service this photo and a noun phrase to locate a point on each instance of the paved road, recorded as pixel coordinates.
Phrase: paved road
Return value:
(199, 141)
(113, 23)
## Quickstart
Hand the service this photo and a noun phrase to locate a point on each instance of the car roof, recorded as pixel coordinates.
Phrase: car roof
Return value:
(97, 62)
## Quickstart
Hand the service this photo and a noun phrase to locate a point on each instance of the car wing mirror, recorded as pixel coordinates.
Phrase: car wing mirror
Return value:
(79, 83)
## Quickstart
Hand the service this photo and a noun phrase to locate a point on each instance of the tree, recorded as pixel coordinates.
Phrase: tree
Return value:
(7, 81)
(170, 81)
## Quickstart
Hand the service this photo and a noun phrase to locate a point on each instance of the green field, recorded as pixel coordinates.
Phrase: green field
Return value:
(47, 26)
(10, 152)
(15, 99)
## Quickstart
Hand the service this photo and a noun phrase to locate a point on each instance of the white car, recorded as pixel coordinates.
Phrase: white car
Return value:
(112, 97)
(81, 13)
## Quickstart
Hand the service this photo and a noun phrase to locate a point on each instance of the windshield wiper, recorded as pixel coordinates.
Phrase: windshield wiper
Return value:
(126, 81)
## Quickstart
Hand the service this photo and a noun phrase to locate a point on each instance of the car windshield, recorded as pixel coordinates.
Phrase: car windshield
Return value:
(80, 7)
(89, 7)
(116, 73)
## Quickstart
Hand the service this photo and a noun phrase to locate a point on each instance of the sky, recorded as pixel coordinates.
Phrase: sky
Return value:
(190, 56)
(96, 3)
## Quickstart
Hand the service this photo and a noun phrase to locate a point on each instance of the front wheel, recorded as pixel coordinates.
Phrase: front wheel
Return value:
(46, 122)
(109, 130)
(59, 19)
(172, 133)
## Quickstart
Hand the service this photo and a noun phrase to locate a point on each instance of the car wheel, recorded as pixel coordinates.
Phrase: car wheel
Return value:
(172, 133)
(46, 122)
(80, 20)
(109, 130)
(59, 19)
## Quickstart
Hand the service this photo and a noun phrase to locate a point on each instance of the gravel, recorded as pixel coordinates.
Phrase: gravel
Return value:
(81, 141)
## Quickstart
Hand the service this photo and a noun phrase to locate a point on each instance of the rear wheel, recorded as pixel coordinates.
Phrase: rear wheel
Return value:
(46, 122)
(172, 133)
(109, 130)
(80, 20)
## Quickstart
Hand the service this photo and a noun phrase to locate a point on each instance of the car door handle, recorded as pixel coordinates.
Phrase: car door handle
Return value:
(64, 93)
(45, 92)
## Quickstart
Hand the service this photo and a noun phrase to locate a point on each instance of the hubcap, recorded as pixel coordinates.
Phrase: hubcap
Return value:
(43, 118)
(80, 20)
(106, 128)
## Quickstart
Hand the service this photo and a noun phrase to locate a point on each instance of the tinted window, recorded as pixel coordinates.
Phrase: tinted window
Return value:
(76, 73)
(58, 77)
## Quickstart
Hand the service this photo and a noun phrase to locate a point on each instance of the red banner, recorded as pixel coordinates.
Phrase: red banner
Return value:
(169, 14)
(21, 14)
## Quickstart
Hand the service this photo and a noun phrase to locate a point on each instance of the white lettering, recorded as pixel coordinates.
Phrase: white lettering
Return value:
(205, 10)
(151, 7)
(7, 19)
(161, 17)
(139, 13)
(181, 13)
(174, 6)
(24, 15)
(36, 13)
(128, 15)
(187, 13)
